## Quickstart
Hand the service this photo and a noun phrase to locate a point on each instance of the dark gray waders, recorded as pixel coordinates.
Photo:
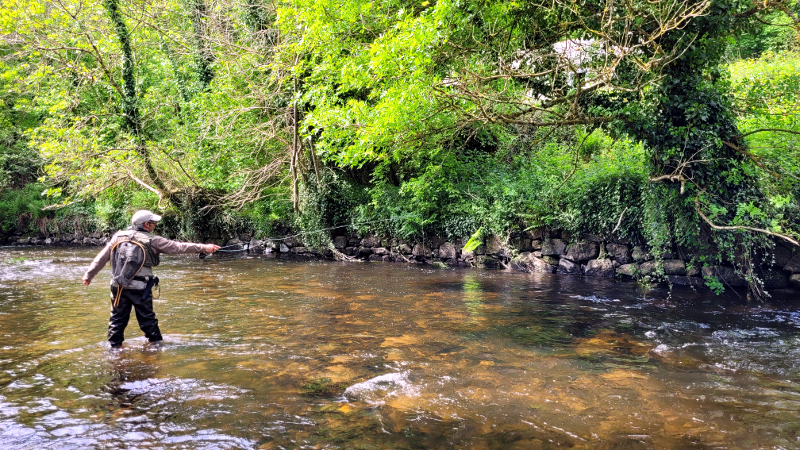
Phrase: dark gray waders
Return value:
(141, 300)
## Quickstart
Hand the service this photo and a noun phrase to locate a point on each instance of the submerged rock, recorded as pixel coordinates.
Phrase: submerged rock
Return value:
(380, 389)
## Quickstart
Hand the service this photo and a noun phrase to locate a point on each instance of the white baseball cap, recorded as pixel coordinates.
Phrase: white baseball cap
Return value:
(142, 216)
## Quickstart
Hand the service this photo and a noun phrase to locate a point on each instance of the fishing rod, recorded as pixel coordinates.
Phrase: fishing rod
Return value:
(352, 224)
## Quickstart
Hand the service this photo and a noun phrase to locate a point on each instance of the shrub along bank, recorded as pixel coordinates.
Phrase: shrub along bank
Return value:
(592, 211)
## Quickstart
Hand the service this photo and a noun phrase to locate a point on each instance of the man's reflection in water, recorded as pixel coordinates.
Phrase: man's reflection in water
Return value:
(129, 368)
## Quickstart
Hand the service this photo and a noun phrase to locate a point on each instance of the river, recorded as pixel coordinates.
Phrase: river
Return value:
(275, 353)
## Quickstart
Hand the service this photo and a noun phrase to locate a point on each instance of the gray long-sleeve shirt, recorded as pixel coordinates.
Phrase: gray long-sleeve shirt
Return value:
(157, 243)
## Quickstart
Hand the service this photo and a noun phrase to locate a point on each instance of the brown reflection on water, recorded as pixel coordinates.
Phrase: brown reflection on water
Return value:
(273, 354)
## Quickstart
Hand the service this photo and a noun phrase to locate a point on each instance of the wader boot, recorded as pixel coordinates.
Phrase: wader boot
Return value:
(121, 313)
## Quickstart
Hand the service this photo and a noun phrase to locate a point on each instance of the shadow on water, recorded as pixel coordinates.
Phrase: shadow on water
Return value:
(274, 353)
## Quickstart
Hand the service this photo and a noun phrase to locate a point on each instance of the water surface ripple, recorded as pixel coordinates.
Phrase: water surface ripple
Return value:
(273, 353)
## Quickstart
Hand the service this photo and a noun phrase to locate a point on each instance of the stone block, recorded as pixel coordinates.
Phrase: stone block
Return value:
(421, 251)
(621, 253)
(380, 251)
(552, 260)
(674, 267)
(781, 255)
(599, 268)
(628, 270)
(683, 280)
(526, 262)
(794, 280)
(292, 241)
(371, 241)
(447, 251)
(553, 247)
(568, 267)
(640, 255)
(775, 279)
(647, 268)
(793, 265)
(582, 251)
(494, 246)
(340, 242)
(725, 274)
(536, 235)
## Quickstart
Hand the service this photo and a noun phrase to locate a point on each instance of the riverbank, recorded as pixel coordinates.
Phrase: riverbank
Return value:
(540, 251)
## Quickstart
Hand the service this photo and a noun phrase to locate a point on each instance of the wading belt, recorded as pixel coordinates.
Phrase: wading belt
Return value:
(119, 286)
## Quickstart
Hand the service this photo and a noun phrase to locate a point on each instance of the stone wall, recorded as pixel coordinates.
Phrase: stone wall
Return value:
(531, 251)
(64, 240)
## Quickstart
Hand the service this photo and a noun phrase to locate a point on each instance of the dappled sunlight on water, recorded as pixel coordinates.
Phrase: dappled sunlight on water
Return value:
(271, 353)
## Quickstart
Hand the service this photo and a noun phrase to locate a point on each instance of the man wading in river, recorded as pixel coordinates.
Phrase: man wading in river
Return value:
(133, 253)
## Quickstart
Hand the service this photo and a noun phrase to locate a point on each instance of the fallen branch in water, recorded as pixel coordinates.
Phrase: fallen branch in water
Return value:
(341, 256)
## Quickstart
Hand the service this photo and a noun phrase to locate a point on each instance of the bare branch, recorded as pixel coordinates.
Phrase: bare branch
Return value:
(739, 227)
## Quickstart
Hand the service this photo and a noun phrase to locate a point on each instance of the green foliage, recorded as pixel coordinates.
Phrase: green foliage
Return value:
(767, 92)
(715, 285)
(773, 32)
(19, 209)
(456, 118)
(474, 241)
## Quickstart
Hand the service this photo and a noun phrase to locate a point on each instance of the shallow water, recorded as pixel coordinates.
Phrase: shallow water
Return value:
(271, 353)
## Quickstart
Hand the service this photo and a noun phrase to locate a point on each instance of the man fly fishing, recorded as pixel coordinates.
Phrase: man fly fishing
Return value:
(133, 253)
